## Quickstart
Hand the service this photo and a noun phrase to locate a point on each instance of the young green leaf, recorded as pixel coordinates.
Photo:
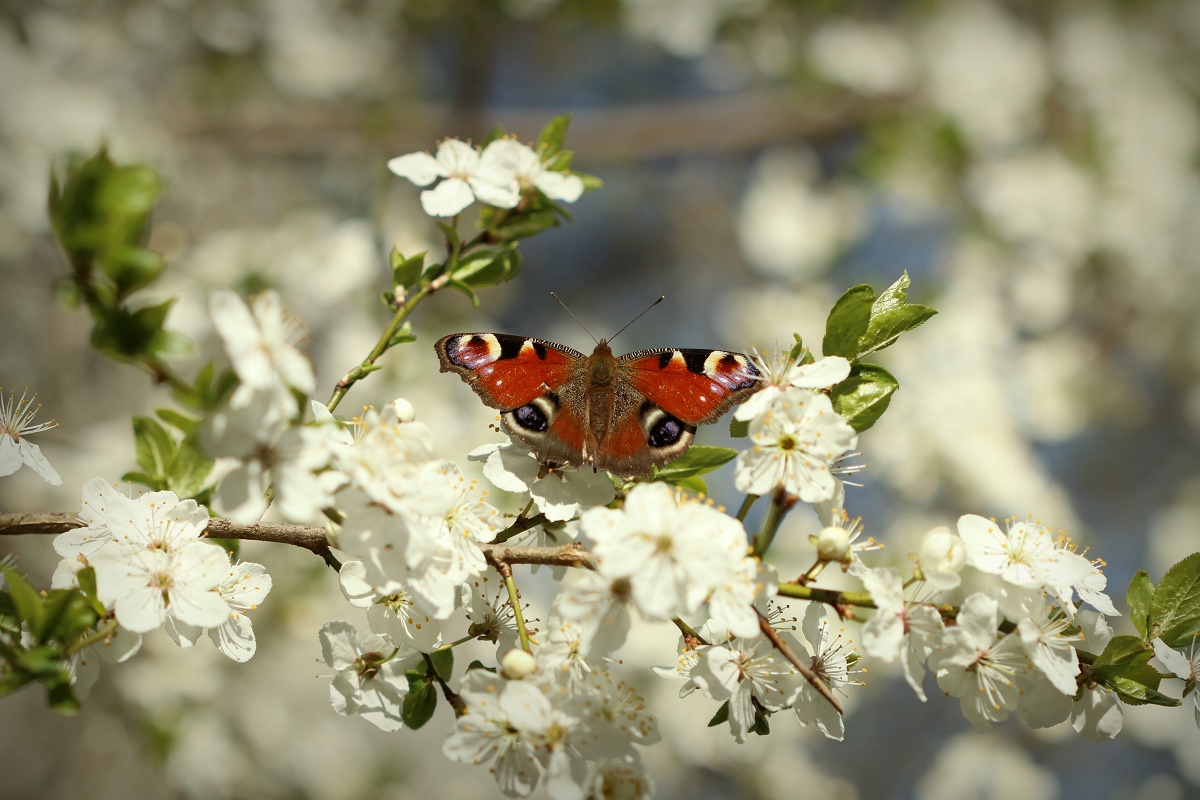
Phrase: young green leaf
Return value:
(1124, 666)
(892, 315)
(420, 702)
(25, 599)
(863, 397)
(848, 321)
(443, 663)
(153, 445)
(721, 716)
(698, 460)
(1175, 610)
(406, 271)
(550, 140)
(1140, 597)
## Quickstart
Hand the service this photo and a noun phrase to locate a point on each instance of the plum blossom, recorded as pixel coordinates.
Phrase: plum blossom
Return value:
(261, 340)
(246, 585)
(398, 615)
(795, 440)
(784, 370)
(941, 558)
(466, 176)
(599, 605)
(369, 675)
(748, 675)
(560, 494)
(16, 423)
(146, 588)
(900, 630)
(527, 166)
(1185, 667)
(831, 664)
(976, 667)
(674, 551)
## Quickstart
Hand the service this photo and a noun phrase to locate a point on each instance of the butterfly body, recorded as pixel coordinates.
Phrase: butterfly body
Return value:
(624, 414)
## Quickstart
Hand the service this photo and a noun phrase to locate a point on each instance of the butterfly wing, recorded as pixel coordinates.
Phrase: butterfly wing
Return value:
(694, 386)
(538, 386)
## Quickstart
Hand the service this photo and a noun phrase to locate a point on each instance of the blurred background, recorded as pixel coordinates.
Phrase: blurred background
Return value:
(1032, 165)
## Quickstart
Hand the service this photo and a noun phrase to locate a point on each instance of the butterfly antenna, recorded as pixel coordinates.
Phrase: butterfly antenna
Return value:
(572, 313)
(661, 297)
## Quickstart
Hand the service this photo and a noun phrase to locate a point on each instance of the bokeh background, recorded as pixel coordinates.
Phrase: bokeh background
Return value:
(1032, 165)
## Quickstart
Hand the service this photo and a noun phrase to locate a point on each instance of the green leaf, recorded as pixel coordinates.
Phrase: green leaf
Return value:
(67, 614)
(181, 422)
(590, 182)
(487, 268)
(403, 335)
(60, 695)
(698, 460)
(848, 321)
(1140, 597)
(406, 271)
(443, 663)
(1124, 666)
(721, 716)
(739, 429)
(762, 725)
(892, 315)
(465, 289)
(863, 396)
(189, 468)
(420, 702)
(25, 599)
(154, 446)
(1175, 610)
(550, 140)
(452, 237)
(523, 226)
(692, 484)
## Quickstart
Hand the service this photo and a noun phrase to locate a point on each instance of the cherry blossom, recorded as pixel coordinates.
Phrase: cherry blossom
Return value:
(16, 423)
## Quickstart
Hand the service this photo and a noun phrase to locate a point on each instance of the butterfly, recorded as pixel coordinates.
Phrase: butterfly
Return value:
(623, 414)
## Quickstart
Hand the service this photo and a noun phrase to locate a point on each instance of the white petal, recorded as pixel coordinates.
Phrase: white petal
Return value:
(235, 638)
(559, 186)
(821, 374)
(420, 168)
(31, 454)
(447, 198)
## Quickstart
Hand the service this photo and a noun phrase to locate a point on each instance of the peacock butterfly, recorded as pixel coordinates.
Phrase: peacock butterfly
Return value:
(620, 414)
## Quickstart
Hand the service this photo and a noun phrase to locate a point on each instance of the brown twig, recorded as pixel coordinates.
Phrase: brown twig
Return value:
(787, 652)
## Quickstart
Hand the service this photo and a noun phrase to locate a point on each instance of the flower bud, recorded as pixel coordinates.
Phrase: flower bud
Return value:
(517, 664)
(942, 557)
(833, 543)
(400, 410)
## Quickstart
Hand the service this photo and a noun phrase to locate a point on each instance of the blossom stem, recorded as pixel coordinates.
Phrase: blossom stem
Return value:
(455, 643)
(88, 641)
(746, 504)
(514, 599)
(775, 513)
(688, 631)
(827, 596)
(519, 526)
(385, 341)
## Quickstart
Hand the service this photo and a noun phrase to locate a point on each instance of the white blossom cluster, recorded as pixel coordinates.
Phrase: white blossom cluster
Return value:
(155, 570)
(497, 176)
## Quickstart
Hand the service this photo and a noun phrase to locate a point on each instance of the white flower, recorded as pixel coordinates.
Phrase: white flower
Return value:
(256, 450)
(733, 605)
(621, 706)
(830, 663)
(155, 520)
(261, 342)
(517, 665)
(942, 558)
(867, 58)
(531, 728)
(782, 371)
(385, 458)
(1096, 714)
(146, 587)
(796, 439)
(490, 613)
(466, 178)
(398, 616)
(748, 674)
(369, 679)
(620, 779)
(900, 630)
(243, 589)
(599, 605)
(976, 667)
(1043, 631)
(565, 649)
(560, 494)
(16, 423)
(527, 166)
(673, 550)
(1028, 556)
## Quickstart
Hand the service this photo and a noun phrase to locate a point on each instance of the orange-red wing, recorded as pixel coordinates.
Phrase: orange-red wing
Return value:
(507, 371)
(697, 386)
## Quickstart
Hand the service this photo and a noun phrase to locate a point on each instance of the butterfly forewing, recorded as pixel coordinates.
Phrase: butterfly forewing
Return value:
(507, 371)
(697, 386)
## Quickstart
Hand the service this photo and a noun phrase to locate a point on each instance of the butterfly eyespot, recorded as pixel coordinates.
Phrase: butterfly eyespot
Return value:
(531, 418)
(665, 432)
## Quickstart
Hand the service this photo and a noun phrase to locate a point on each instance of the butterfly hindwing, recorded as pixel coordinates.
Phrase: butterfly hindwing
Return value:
(696, 386)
